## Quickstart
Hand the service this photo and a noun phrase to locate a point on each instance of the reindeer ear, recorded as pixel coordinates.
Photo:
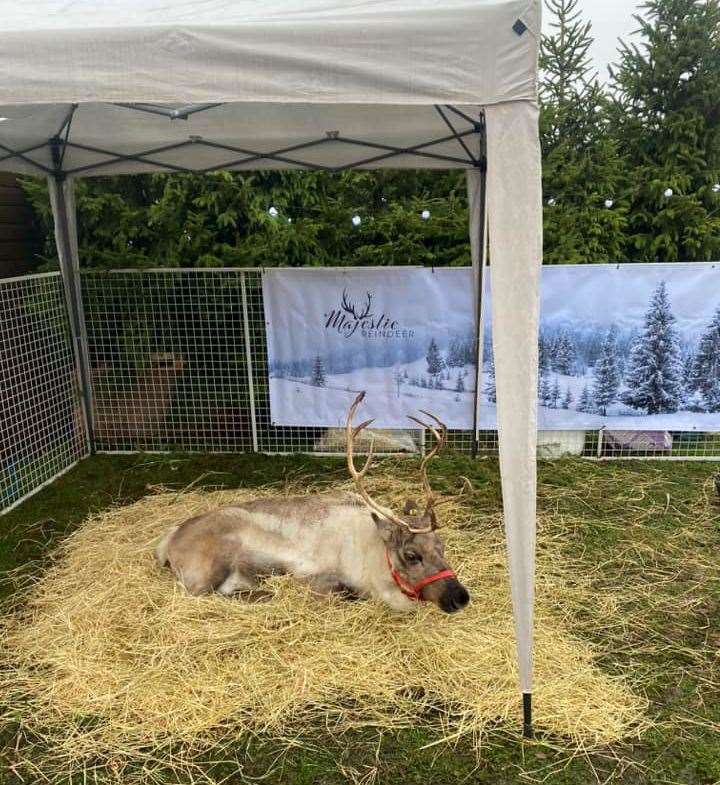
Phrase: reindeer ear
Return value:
(385, 527)
(411, 506)
(429, 519)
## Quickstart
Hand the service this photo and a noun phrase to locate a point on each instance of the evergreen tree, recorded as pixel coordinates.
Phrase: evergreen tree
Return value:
(585, 402)
(654, 374)
(545, 391)
(607, 378)
(666, 117)
(688, 373)
(318, 373)
(221, 219)
(554, 394)
(459, 384)
(468, 353)
(490, 390)
(581, 164)
(705, 377)
(544, 354)
(455, 354)
(435, 363)
(567, 400)
(564, 355)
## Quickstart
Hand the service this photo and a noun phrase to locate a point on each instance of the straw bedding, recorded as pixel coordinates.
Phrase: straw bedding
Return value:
(107, 664)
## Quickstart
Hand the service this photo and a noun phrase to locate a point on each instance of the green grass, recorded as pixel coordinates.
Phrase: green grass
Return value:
(650, 526)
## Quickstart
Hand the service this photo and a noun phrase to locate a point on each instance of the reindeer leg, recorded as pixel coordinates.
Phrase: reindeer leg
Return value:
(328, 585)
(236, 582)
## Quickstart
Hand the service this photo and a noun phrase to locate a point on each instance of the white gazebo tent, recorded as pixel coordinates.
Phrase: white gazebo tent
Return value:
(99, 88)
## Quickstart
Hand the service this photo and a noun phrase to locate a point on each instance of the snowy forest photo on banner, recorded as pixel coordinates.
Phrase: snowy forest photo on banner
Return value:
(405, 335)
(631, 347)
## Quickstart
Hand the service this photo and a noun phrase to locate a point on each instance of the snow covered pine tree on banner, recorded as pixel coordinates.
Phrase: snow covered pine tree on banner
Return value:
(654, 378)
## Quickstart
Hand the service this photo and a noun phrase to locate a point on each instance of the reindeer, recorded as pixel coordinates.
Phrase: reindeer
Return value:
(345, 544)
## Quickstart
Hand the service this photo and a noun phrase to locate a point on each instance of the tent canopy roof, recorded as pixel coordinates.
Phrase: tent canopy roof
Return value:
(222, 82)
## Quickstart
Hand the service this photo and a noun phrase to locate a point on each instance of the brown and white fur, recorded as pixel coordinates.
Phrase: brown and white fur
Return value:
(334, 543)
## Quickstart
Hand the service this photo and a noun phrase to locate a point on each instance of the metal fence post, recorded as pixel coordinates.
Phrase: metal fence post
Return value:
(61, 194)
(600, 443)
(248, 360)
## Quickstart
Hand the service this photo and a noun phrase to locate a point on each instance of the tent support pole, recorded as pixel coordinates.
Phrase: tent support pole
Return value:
(477, 220)
(70, 269)
(479, 338)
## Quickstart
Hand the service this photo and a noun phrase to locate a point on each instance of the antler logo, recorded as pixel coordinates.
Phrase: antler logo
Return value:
(349, 307)
(352, 317)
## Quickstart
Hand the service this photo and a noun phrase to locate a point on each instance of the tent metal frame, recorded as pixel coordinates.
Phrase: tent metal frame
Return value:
(58, 145)
(241, 157)
(61, 141)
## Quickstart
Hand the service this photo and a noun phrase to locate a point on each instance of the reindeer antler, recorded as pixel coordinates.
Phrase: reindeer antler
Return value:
(352, 432)
(440, 441)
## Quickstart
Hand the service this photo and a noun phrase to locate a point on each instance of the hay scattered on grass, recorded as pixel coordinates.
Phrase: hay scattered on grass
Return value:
(108, 664)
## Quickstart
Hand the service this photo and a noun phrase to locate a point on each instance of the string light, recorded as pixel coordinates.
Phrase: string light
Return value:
(356, 220)
(425, 214)
(668, 193)
(609, 203)
(273, 212)
(551, 201)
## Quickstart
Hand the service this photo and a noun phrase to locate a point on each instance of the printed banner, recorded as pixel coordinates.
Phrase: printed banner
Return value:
(626, 347)
(405, 335)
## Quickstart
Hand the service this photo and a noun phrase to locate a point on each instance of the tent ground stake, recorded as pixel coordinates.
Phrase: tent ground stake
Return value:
(527, 715)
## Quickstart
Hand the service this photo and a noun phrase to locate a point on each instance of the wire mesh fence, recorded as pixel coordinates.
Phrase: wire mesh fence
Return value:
(179, 361)
(42, 429)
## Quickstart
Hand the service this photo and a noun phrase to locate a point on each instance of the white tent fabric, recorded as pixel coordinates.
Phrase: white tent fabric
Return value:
(402, 52)
(267, 77)
(99, 87)
(514, 201)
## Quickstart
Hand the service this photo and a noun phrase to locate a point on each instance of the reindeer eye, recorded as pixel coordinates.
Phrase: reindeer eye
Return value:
(412, 558)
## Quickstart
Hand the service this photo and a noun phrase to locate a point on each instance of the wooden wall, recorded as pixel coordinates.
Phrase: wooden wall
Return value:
(18, 239)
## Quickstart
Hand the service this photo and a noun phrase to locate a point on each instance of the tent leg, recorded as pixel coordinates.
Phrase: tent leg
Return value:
(527, 715)
(515, 248)
(479, 312)
(62, 200)
(476, 189)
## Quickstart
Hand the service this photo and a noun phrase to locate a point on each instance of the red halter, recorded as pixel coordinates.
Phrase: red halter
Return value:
(413, 592)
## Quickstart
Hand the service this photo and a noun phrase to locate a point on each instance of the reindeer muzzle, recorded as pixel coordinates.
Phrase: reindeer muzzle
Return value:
(454, 598)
